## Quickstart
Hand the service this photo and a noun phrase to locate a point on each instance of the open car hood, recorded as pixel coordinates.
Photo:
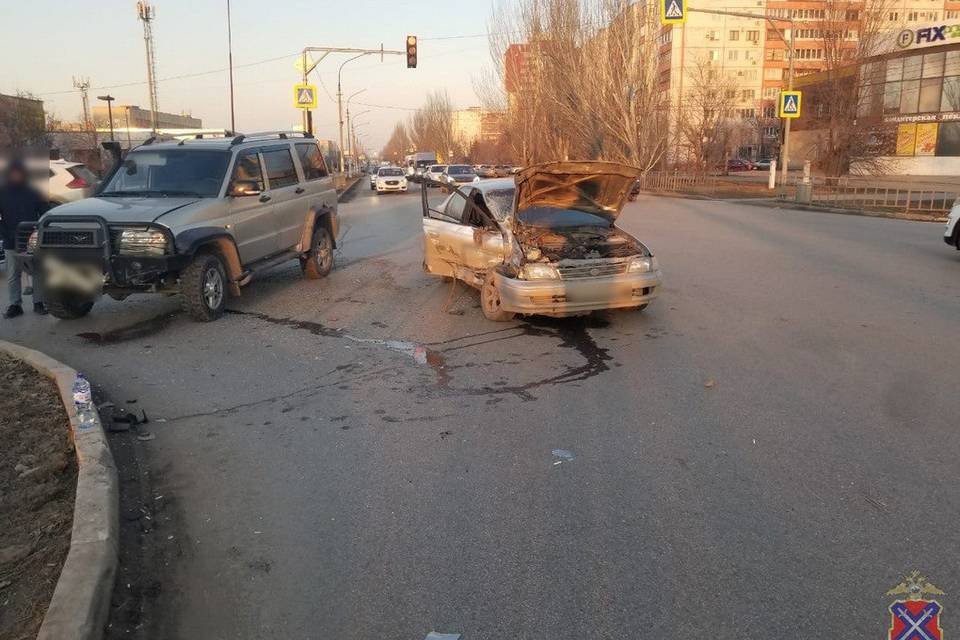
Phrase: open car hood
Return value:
(596, 187)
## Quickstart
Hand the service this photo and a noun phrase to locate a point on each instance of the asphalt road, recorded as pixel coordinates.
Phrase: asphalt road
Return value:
(763, 452)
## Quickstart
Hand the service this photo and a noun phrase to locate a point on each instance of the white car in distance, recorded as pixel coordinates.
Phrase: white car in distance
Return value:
(434, 173)
(391, 179)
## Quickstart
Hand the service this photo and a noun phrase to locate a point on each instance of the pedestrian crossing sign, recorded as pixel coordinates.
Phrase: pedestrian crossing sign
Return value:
(673, 11)
(790, 104)
(305, 96)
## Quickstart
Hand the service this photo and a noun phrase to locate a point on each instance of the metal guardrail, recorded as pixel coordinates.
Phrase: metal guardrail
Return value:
(893, 199)
(675, 182)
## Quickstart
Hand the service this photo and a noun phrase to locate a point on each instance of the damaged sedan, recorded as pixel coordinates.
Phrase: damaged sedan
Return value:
(544, 243)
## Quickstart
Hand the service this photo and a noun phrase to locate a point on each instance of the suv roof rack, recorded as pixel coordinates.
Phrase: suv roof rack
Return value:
(157, 137)
(267, 135)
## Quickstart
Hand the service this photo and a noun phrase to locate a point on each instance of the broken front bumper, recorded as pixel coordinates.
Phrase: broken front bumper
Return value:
(569, 297)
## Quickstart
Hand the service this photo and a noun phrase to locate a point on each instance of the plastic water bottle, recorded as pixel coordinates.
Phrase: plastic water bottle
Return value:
(83, 401)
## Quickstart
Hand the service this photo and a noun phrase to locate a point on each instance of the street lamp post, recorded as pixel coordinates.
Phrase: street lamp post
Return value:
(340, 104)
(109, 100)
(349, 140)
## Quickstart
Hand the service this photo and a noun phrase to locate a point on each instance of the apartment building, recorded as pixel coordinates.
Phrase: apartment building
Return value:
(755, 54)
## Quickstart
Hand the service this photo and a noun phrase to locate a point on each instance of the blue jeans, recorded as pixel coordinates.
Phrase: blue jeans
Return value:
(15, 281)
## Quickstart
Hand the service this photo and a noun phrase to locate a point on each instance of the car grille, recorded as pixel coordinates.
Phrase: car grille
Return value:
(593, 270)
(68, 238)
(393, 183)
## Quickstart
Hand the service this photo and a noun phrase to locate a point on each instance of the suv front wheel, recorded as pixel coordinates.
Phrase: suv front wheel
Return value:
(319, 261)
(203, 285)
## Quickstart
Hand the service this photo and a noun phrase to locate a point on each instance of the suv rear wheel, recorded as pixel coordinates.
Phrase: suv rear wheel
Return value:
(203, 285)
(319, 261)
(67, 306)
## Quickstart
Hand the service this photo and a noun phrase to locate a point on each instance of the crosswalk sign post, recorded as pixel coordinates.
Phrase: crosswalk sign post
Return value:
(673, 11)
(305, 96)
(790, 104)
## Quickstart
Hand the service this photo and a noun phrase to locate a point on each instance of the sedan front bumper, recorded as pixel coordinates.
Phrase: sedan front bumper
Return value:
(579, 295)
(391, 187)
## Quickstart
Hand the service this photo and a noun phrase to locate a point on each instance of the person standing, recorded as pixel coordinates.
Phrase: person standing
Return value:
(19, 202)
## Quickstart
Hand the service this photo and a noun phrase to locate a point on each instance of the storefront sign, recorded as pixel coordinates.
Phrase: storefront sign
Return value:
(927, 139)
(906, 139)
(946, 116)
(928, 36)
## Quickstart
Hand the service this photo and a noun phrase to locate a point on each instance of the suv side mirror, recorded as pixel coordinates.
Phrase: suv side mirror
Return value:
(240, 188)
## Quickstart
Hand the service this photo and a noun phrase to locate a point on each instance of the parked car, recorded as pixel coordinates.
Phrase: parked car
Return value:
(544, 243)
(373, 179)
(486, 171)
(503, 170)
(198, 218)
(763, 164)
(456, 174)
(952, 233)
(739, 164)
(391, 179)
(70, 181)
(435, 174)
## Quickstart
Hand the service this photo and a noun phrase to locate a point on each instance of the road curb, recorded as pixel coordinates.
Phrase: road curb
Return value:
(353, 185)
(81, 600)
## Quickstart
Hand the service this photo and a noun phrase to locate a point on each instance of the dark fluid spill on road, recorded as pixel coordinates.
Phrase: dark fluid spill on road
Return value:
(130, 332)
(315, 328)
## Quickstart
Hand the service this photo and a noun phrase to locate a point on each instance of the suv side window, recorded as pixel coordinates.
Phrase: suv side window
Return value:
(280, 169)
(248, 168)
(311, 161)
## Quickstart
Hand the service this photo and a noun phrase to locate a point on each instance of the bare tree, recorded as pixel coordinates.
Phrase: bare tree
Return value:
(398, 145)
(706, 123)
(850, 33)
(580, 80)
(431, 127)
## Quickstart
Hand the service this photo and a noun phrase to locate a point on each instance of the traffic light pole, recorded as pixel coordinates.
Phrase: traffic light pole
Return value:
(307, 67)
(785, 150)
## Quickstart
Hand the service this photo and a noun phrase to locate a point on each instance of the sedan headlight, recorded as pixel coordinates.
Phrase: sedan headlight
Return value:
(32, 241)
(643, 265)
(539, 271)
(143, 243)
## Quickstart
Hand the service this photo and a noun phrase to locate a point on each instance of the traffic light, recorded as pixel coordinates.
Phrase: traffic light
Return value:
(411, 52)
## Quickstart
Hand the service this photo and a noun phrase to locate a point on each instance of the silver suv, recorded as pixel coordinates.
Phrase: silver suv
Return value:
(197, 217)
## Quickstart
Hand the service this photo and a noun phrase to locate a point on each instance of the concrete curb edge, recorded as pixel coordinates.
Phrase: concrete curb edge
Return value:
(81, 600)
(348, 189)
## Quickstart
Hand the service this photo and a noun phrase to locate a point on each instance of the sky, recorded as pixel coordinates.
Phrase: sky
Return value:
(44, 43)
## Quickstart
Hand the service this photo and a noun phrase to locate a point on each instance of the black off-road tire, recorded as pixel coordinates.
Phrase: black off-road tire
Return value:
(67, 306)
(319, 262)
(490, 301)
(203, 288)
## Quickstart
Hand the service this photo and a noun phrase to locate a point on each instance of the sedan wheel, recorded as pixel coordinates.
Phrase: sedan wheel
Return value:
(490, 301)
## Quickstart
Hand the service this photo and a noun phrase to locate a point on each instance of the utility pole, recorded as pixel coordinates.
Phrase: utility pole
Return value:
(109, 100)
(233, 121)
(83, 84)
(146, 14)
(307, 68)
(785, 150)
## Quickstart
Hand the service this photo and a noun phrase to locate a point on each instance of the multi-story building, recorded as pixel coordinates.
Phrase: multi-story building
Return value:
(755, 54)
(475, 124)
(132, 116)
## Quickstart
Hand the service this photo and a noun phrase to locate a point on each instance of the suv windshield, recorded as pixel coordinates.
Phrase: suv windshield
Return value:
(169, 172)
